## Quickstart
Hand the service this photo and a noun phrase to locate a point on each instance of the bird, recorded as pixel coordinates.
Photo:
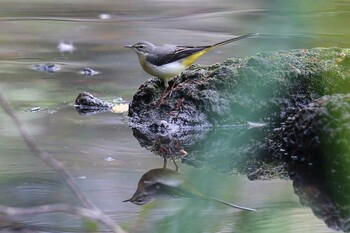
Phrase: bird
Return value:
(168, 60)
(165, 182)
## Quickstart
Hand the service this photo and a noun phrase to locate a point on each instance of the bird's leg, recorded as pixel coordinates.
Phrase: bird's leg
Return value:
(173, 86)
(173, 159)
(164, 94)
(165, 162)
(171, 154)
(167, 92)
(176, 167)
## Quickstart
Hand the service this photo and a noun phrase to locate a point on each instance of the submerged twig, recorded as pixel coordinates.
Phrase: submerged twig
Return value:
(58, 167)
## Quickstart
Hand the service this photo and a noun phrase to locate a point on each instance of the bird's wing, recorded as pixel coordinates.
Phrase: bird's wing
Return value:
(167, 54)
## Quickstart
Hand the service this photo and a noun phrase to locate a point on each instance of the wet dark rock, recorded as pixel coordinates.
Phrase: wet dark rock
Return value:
(89, 72)
(86, 104)
(317, 130)
(36, 109)
(87, 100)
(50, 68)
(315, 143)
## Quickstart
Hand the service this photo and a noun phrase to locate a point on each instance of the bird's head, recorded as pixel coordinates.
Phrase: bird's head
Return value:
(140, 198)
(142, 48)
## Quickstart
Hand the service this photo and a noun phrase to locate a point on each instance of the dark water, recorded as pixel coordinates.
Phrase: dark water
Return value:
(100, 151)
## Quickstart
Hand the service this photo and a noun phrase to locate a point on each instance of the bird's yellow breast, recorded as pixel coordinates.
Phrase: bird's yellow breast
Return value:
(145, 66)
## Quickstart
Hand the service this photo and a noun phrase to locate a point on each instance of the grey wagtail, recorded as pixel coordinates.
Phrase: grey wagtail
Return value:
(168, 60)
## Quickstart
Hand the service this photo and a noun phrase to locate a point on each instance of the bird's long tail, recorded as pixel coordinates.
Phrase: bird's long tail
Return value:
(232, 205)
(233, 40)
(204, 49)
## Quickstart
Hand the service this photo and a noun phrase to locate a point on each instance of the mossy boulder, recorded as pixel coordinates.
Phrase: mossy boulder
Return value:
(267, 87)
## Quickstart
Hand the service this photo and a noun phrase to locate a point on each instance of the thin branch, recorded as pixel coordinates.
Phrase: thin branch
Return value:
(53, 163)
(63, 208)
(48, 159)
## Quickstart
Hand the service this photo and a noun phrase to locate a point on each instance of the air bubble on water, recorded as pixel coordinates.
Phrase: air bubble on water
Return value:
(105, 16)
(109, 159)
(66, 47)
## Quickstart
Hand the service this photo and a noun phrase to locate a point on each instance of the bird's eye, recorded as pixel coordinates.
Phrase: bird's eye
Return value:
(139, 201)
(140, 46)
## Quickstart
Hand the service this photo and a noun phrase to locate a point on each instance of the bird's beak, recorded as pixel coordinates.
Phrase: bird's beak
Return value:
(128, 46)
(128, 200)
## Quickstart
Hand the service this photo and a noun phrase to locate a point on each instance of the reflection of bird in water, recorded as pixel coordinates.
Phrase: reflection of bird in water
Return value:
(164, 182)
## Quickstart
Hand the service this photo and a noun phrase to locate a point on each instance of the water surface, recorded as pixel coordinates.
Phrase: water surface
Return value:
(100, 151)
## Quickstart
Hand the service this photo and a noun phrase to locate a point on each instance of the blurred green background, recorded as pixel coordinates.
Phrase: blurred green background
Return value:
(100, 151)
